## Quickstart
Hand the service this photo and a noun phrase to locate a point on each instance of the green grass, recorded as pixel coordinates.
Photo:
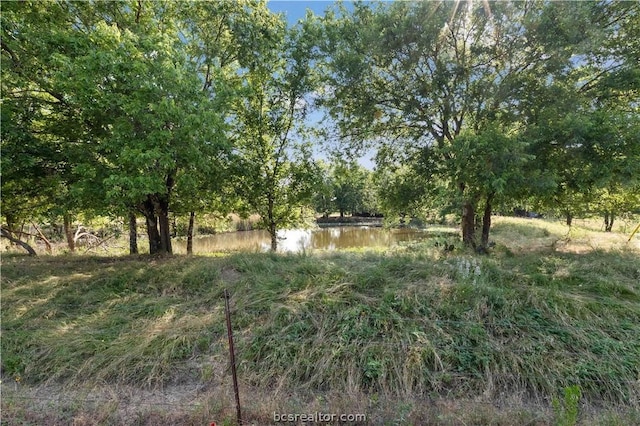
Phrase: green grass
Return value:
(385, 327)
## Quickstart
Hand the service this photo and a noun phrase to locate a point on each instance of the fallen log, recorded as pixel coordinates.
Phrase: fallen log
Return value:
(6, 234)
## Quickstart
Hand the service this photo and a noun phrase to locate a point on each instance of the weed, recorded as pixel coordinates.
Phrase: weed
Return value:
(566, 413)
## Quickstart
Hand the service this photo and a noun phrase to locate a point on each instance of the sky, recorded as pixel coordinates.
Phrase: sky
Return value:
(296, 9)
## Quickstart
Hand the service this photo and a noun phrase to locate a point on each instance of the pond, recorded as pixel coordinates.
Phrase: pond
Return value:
(298, 240)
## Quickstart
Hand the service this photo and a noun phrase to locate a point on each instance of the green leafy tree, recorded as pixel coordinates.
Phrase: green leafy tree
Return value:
(582, 123)
(349, 181)
(156, 132)
(400, 191)
(616, 201)
(420, 75)
(223, 39)
(370, 202)
(135, 114)
(346, 187)
(490, 164)
(587, 153)
(41, 131)
(275, 169)
(323, 191)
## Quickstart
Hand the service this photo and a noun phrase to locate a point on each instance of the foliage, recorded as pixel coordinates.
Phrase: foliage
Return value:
(484, 73)
(590, 154)
(222, 41)
(37, 121)
(583, 123)
(275, 170)
(351, 182)
(172, 108)
(400, 191)
(345, 187)
(323, 191)
(128, 105)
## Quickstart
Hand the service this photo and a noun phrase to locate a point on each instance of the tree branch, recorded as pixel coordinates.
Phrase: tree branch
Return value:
(5, 233)
(14, 57)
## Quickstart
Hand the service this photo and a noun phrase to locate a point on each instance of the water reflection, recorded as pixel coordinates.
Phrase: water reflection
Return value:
(297, 240)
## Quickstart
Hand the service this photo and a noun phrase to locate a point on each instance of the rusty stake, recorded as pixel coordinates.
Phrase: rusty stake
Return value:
(232, 356)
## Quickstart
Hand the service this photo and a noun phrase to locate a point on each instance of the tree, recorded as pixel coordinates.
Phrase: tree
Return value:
(421, 75)
(589, 154)
(323, 198)
(490, 163)
(346, 187)
(349, 181)
(222, 39)
(614, 201)
(39, 126)
(400, 191)
(582, 124)
(423, 81)
(276, 173)
(157, 112)
(119, 100)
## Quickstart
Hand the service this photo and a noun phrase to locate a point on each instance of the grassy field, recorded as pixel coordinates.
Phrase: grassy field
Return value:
(407, 335)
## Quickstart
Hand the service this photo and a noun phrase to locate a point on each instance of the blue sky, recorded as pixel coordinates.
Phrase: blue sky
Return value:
(296, 9)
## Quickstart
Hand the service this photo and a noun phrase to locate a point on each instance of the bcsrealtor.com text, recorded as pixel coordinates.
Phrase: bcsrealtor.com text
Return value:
(318, 417)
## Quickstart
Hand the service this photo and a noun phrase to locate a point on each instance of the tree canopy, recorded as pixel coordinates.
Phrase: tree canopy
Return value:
(129, 108)
(456, 88)
(126, 105)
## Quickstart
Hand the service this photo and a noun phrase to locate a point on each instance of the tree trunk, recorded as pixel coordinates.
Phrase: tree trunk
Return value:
(272, 224)
(569, 218)
(151, 221)
(153, 234)
(69, 233)
(608, 221)
(161, 204)
(468, 225)
(43, 238)
(22, 244)
(486, 222)
(11, 226)
(162, 210)
(192, 218)
(274, 237)
(133, 233)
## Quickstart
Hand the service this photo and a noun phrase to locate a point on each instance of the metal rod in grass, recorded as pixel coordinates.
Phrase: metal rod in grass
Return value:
(633, 233)
(232, 356)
